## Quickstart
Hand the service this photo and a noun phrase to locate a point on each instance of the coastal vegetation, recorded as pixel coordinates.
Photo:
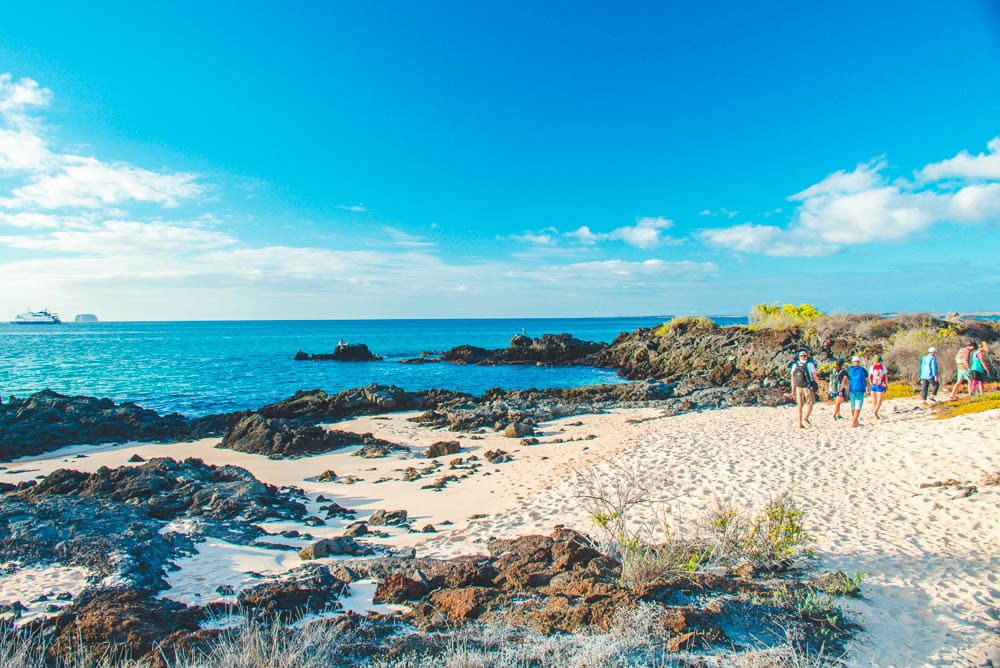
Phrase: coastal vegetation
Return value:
(988, 402)
(782, 316)
(701, 357)
(686, 322)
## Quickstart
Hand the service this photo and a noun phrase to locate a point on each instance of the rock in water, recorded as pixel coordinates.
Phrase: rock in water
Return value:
(344, 352)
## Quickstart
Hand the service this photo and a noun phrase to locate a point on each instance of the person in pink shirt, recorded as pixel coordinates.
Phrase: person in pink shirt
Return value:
(878, 378)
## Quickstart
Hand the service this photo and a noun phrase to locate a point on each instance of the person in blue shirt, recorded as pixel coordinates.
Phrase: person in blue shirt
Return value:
(929, 382)
(856, 384)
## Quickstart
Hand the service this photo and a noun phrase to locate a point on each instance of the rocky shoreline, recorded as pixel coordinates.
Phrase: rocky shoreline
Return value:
(690, 364)
(125, 529)
(556, 584)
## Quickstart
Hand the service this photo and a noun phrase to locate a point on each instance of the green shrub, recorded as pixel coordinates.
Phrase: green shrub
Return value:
(897, 390)
(987, 402)
(643, 563)
(771, 539)
(840, 583)
(684, 323)
(907, 347)
(784, 316)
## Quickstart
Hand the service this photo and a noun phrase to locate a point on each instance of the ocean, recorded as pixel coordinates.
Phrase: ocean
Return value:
(197, 368)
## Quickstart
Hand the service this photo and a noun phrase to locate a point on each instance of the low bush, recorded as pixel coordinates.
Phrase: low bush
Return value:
(987, 402)
(773, 538)
(907, 347)
(784, 316)
(840, 583)
(685, 323)
(897, 390)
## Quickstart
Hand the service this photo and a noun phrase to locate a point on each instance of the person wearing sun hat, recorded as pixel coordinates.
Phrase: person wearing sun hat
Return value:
(929, 376)
(978, 369)
(804, 379)
(856, 384)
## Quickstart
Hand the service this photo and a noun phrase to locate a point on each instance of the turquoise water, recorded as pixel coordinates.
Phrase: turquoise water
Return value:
(198, 368)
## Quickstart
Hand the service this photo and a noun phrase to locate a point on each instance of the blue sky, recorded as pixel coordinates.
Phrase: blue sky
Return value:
(328, 160)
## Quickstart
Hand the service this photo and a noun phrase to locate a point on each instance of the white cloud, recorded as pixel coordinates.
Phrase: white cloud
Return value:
(644, 234)
(57, 180)
(646, 268)
(721, 212)
(616, 270)
(88, 183)
(746, 238)
(546, 237)
(584, 236)
(862, 206)
(43, 220)
(123, 237)
(354, 208)
(864, 176)
(403, 239)
(966, 166)
(22, 148)
(15, 96)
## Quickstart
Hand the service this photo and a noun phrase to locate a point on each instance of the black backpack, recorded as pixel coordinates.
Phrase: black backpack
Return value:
(800, 375)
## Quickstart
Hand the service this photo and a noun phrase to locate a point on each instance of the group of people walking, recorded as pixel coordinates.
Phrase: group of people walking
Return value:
(853, 383)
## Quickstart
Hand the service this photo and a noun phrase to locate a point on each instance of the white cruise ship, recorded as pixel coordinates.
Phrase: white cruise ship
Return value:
(42, 317)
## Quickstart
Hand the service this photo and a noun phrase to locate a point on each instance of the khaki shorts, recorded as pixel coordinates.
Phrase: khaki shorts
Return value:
(803, 395)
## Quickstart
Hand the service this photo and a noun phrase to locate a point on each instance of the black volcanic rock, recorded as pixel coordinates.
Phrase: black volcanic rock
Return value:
(278, 438)
(318, 406)
(344, 352)
(165, 488)
(49, 420)
(548, 350)
(111, 521)
(466, 354)
(697, 354)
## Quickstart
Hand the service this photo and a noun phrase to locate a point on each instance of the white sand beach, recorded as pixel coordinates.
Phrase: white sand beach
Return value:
(931, 554)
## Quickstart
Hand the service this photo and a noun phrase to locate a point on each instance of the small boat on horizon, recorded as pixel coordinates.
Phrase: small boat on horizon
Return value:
(43, 317)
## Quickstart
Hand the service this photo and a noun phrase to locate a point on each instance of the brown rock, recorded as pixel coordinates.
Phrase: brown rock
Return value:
(126, 624)
(398, 588)
(518, 430)
(442, 448)
(461, 605)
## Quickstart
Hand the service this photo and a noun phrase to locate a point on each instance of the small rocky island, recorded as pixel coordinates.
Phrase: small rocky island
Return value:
(344, 352)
